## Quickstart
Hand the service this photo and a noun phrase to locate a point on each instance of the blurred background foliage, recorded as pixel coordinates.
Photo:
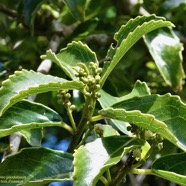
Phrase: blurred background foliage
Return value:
(29, 27)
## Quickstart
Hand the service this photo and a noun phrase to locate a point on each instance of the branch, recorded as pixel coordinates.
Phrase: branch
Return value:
(123, 170)
(8, 12)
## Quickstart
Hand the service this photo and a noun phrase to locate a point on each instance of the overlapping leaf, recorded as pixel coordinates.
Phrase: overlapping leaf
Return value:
(93, 159)
(166, 50)
(36, 165)
(69, 57)
(129, 34)
(25, 83)
(140, 89)
(164, 115)
(171, 167)
(26, 116)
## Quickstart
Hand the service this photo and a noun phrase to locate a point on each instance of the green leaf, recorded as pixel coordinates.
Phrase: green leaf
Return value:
(128, 35)
(26, 117)
(171, 167)
(29, 10)
(83, 9)
(106, 100)
(166, 50)
(77, 8)
(32, 136)
(36, 165)
(71, 56)
(164, 115)
(26, 83)
(93, 159)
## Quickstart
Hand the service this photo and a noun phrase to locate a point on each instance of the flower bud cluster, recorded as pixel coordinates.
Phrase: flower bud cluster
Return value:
(91, 78)
(64, 98)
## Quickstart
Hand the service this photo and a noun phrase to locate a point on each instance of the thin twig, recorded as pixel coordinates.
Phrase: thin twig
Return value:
(123, 170)
(8, 12)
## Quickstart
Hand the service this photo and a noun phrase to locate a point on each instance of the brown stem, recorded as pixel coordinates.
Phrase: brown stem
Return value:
(123, 170)
(8, 12)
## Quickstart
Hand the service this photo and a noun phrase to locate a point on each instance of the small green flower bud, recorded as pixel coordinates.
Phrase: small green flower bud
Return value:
(67, 96)
(87, 94)
(137, 153)
(160, 146)
(97, 78)
(91, 64)
(68, 104)
(149, 135)
(84, 80)
(99, 70)
(98, 87)
(97, 95)
(81, 71)
(72, 107)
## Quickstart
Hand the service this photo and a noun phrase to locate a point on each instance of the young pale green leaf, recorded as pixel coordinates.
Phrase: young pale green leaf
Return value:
(69, 57)
(166, 50)
(128, 35)
(27, 117)
(36, 164)
(25, 83)
(164, 115)
(106, 100)
(93, 159)
(171, 167)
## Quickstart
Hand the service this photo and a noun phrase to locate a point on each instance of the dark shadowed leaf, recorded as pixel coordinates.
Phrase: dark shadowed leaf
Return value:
(28, 118)
(171, 167)
(36, 165)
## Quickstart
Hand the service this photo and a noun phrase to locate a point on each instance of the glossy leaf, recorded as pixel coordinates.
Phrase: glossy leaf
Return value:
(128, 35)
(26, 83)
(93, 159)
(69, 57)
(36, 165)
(26, 117)
(164, 115)
(171, 167)
(166, 50)
(106, 100)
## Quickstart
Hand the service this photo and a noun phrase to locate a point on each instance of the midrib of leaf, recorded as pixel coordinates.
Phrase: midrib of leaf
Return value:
(26, 83)
(135, 29)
